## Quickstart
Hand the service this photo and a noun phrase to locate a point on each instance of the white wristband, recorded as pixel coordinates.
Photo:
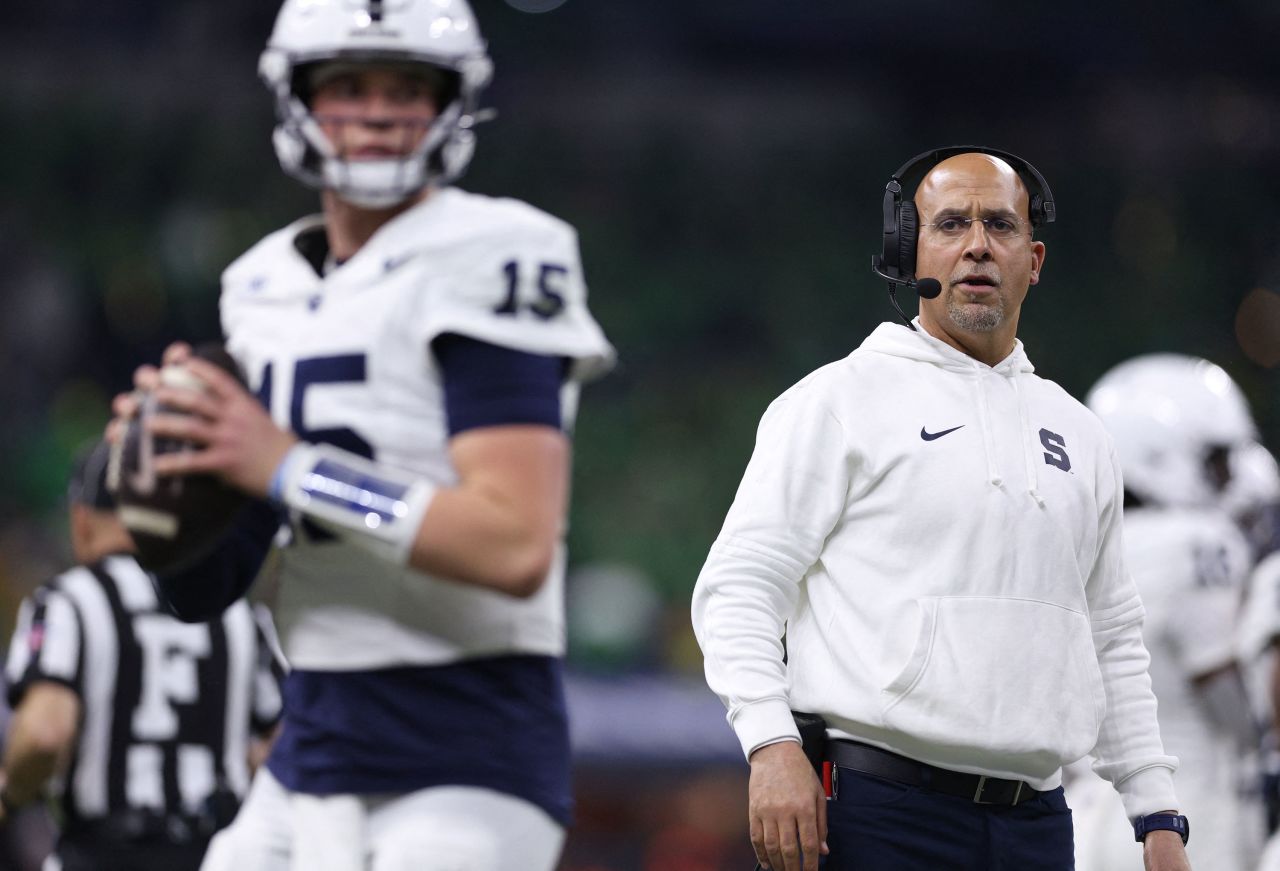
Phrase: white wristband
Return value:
(369, 504)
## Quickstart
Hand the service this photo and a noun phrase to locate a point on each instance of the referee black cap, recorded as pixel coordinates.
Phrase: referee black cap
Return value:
(88, 483)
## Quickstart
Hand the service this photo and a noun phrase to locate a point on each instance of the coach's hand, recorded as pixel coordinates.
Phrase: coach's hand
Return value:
(788, 809)
(1163, 851)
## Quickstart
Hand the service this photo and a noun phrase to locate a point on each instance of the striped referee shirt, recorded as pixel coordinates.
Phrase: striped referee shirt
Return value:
(168, 707)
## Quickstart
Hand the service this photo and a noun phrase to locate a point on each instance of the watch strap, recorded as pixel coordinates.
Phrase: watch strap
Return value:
(1171, 822)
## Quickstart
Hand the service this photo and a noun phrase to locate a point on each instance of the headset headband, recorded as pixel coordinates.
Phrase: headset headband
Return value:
(1041, 212)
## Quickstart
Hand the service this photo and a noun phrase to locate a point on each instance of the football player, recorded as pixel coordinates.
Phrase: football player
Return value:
(1260, 644)
(416, 353)
(1254, 499)
(1177, 421)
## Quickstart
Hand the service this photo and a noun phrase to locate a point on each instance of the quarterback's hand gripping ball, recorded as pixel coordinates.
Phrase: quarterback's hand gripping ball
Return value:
(175, 519)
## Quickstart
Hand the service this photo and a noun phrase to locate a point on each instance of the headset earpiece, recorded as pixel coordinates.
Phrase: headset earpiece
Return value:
(908, 233)
(1035, 208)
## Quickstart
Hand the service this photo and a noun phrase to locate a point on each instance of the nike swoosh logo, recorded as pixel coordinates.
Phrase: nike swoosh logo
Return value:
(396, 262)
(930, 436)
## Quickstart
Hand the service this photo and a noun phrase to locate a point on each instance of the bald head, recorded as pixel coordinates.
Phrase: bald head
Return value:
(971, 173)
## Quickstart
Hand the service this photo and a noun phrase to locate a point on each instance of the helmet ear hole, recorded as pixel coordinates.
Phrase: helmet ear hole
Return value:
(1217, 466)
(300, 83)
(908, 233)
(446, 86)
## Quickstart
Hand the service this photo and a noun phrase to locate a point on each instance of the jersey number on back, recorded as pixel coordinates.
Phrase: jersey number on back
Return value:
(1213, 566)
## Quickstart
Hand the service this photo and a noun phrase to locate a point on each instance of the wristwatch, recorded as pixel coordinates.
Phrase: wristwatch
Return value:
(1173, 822)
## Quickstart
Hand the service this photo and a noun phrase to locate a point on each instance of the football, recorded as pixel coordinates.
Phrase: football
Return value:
(176, 520)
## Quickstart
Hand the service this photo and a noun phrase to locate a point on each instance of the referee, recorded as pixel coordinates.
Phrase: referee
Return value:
(138, 725)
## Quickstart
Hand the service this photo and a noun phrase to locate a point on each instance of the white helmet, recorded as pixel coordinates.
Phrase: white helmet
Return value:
(1172, 418)
(1252, 497)
(441, 33)
(1255, 481)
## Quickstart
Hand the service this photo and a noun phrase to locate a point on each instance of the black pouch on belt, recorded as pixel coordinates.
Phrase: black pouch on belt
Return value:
(813, 738)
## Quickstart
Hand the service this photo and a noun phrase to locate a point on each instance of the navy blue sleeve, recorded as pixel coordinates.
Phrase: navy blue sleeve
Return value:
(205, 589)
(489, 385)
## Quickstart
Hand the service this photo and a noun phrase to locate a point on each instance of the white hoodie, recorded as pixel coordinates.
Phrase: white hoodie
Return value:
(940, 540)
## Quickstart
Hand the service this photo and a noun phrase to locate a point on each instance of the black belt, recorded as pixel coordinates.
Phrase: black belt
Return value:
(881, 763)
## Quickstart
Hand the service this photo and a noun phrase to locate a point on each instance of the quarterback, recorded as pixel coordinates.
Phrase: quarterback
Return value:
(416, 352)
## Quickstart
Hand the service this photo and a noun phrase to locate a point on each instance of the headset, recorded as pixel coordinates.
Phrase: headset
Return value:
(896, 263)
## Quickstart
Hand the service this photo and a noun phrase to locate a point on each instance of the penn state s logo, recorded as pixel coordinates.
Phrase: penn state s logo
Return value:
(1055, 450)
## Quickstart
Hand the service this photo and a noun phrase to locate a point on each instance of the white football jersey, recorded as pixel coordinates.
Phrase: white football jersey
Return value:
(346, 359)
(1257, 641)
(1260, 622)
(1190, 567)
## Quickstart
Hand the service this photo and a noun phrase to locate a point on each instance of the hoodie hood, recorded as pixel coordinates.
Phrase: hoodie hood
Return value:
(898, 341)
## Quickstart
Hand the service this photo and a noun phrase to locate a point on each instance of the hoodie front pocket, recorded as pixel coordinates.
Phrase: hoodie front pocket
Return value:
(1013, 677)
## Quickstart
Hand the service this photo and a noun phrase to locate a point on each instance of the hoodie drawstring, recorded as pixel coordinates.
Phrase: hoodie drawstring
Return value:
(1024, 433)
(984, 423)
(1024, 437)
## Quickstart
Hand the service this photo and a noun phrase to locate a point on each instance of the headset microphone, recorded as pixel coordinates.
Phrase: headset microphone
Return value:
(925, 288)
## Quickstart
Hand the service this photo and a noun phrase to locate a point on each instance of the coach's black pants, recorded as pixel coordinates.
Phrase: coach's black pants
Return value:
(881, 825)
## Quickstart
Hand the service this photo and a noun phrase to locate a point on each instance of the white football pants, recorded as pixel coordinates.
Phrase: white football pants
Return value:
(446, 828)
(1220, 837)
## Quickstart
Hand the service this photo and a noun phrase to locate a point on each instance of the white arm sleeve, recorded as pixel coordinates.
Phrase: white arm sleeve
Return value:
(371, 504)
(791, 496)
(1129, 751)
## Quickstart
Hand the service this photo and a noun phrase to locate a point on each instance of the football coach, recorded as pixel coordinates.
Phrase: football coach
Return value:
(936, 531)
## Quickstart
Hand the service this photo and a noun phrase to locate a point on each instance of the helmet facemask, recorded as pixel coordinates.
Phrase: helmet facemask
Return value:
(309, 154)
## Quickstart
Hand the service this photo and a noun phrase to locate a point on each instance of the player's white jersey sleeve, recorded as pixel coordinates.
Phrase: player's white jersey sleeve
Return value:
(1260, 622)
(1258, 633)
(515, 280)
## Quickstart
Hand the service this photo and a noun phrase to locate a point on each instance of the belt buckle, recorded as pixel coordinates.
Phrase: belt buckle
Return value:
(977, 793)
(982, 785)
